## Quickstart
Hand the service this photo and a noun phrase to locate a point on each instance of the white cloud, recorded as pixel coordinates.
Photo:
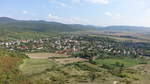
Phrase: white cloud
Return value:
(57, 2)
(61, 4)
(78, 20)
(25, 12)
(73, 20)
(92, 1)
(50, 16)
(108, 14)
(99, 1)
(147, 10)
(115, 16)
(76, 1)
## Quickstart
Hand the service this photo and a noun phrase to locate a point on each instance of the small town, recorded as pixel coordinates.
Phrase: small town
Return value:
(75, 42)
(71, 44)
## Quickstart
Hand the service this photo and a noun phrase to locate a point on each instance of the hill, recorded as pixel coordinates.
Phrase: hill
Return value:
(6, 20)
(38, 26)
(135, 29)
(20, 29)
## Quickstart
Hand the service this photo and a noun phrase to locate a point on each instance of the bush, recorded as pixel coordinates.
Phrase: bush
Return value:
(128, 75)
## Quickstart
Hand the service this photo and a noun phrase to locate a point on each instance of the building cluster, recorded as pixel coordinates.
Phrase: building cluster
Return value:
(69, 44)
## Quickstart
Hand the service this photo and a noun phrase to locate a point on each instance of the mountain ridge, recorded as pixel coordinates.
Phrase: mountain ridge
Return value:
(16, 28)
(8, 20)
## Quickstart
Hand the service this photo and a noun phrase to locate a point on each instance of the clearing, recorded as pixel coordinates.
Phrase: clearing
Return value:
(40, 62)
(34, 66)
(57, 58)
(45, 55)
(128, 62)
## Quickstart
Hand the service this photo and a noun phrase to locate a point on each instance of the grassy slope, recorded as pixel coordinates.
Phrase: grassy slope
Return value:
(128, 62)
(34, 66)
(32, 29)
(23, 35)
(9, 72)
(80, 73)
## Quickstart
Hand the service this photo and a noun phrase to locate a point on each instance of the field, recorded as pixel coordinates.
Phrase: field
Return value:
(34, 66)
(128, 62)
(57, 58)
(69, 60)
(45, 55)
(77, 71)
(63, 69)
(39, 62)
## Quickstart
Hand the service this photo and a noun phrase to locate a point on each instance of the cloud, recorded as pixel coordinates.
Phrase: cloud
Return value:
(25, 12)
(99, 1)
(147, 10)
(52, 17)
(76, 1)
(57, 2)
(73, 20)
(61, 4)
(114, 15)
(92, 1)
(108, 14)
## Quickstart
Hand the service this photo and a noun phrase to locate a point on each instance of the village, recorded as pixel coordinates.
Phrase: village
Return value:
(70, 44)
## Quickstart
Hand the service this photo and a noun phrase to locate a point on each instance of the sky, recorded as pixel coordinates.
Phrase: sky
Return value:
(90, 12)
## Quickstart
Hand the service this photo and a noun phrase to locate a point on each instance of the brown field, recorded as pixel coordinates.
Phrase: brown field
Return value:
(129, 39)
(140, 37)
(68, 60)
(45, 55)
(61, 58)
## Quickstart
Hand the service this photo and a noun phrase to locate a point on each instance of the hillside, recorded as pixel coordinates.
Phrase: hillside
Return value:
(19, 29)
(134, 29)
(12, 29)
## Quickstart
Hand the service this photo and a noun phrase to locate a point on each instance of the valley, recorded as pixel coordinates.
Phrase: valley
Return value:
(40, 52)
(74, 41)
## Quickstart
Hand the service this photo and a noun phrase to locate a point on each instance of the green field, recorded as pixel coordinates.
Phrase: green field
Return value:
(128, 62)
(34, 66)
(82, 72)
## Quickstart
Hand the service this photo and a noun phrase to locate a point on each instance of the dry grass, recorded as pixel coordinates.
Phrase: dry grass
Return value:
(69, 60)
(45, 55)
(34, 66)
(60, 58)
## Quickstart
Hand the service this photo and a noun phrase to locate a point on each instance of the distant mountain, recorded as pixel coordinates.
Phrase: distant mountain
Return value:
(125, 29)
(21, 29)
(14, 28)
(6, 20)
(44, 26)
(37, 26)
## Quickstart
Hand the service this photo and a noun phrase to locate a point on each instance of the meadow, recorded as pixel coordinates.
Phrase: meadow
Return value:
(34, 66)
(128, 62)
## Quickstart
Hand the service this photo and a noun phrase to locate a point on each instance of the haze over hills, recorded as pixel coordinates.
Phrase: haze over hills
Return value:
(75, 42)
(15, 28)
(38, 26)
(45, 26)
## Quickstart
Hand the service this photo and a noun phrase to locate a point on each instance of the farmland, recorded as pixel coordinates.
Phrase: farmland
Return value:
(79, 71)
(45, 55)
(76, 59)
(34, 66)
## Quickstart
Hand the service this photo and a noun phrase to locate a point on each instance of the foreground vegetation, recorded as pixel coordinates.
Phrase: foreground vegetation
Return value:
(17, 68)
(9, 72)
(34, 66)
(102, 71)
(94, 56)
(89, 60)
